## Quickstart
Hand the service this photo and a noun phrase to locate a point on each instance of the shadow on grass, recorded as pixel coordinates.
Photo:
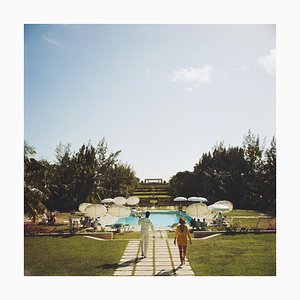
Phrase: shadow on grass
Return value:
(127, 263)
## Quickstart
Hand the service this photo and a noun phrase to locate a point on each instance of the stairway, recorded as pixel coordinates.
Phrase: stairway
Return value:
(150, 194)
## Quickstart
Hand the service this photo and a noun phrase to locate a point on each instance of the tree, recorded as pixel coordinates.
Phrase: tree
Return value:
(219, 175)
(88, 175)
(62, 184)
(268, 183)
(183, 184)
(120, 179)
(253, 155)
(35, 189)
(245, 176)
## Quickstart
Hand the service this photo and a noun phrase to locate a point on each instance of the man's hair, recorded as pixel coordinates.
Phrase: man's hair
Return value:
(147, 214)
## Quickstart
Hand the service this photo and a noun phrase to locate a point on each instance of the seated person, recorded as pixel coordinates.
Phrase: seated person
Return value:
(219, 219)
(193, 223)
(86, 222)
(198, 224)
(203, 224)
(52, 219)
(95, 224)
(44, 219)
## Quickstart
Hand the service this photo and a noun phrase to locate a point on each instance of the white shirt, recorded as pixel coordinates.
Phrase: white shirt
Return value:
(146, 224)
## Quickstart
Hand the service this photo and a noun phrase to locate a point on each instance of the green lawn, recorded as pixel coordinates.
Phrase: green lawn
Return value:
(262, 223)
(239, 255)
(248, 223)
(240, 212)
(71, 256)
(127, 235)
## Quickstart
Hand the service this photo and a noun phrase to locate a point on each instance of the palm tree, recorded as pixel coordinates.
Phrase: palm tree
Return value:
(34, 193)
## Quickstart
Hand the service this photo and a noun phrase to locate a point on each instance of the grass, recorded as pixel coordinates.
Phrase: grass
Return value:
(257, 222)
(240, 212)
(127, 235)
(260, 223)
(240, 255)
(72, 256)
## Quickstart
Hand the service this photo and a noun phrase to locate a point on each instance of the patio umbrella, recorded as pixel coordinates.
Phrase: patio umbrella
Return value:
(218, 207)
(107, 200)
(197, 210)
(119, 211)
(227, 203)
(202, 199)
(107, 219)
(132, 200)
(95, 210)
(119, 200)
(197, 199)
(83, 206)
(179, 199)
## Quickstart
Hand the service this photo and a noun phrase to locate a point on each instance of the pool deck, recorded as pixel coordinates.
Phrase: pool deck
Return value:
(163, 260)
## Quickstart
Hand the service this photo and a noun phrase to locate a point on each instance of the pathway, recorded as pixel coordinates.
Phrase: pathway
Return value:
(162, 259)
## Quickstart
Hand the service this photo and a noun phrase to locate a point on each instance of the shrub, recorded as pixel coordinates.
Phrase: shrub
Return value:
(232, 229)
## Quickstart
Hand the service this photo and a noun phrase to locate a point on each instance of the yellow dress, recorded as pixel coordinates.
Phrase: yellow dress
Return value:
(181, 236)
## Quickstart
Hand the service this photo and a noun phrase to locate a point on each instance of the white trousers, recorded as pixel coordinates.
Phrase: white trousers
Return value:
(145, 242)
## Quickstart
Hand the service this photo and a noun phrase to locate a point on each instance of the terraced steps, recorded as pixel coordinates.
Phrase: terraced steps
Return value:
(153, 193)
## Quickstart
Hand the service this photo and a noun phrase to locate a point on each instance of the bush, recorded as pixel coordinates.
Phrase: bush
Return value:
(232, 229)
(35, 229)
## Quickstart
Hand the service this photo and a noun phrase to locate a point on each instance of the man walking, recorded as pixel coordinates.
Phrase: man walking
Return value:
(146, 224)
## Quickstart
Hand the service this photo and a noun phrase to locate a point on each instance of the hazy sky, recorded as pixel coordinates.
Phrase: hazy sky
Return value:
(163, 94)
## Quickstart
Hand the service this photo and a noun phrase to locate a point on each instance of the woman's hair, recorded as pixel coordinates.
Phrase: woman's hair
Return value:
(181, 220)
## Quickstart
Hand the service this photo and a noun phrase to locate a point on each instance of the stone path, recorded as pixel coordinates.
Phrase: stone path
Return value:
(162, 259)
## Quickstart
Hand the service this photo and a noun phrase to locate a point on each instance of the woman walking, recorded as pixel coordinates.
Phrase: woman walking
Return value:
(181, 235)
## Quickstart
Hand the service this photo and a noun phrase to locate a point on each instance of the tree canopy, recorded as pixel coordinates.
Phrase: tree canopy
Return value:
(88, 175)
(244, 175)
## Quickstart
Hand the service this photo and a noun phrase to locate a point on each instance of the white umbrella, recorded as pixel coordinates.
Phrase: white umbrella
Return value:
(133, 200)
(227, 203)
(83, 206)
(202, 199)
(119, 211)
(107, 219)
(218, 207)
(197, 210)
(95, 210)
(179, 199)
(107, 200)
(197, 199)
(119, 200)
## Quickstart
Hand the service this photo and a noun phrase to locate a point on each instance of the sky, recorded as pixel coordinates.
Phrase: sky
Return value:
(162, 94)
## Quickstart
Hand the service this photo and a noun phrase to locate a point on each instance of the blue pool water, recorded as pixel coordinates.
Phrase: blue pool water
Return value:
(159, 219)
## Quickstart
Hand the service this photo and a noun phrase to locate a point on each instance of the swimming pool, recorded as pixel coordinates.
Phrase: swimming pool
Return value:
(158, 219)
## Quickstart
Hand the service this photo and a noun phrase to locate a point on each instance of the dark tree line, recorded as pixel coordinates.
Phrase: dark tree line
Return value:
(88, 175)
(246, 176)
